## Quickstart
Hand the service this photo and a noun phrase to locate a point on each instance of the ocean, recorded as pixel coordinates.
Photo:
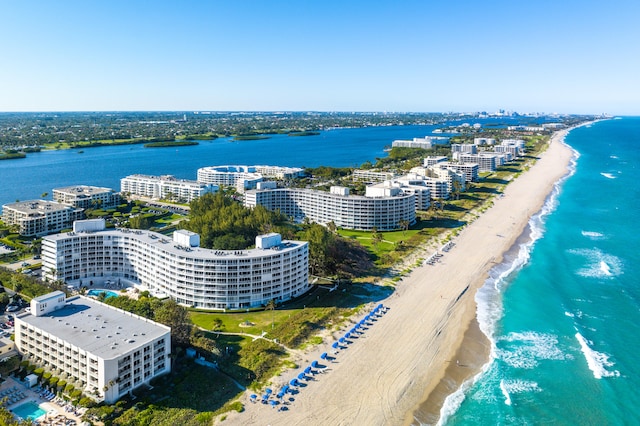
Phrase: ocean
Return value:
(562, 310)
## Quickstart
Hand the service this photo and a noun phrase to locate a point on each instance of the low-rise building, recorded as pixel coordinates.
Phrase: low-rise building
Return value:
(84, 196)
(425, 143)
(105, 351)
(280, 172)
(372, 176)
(165, 187)
(40, 217)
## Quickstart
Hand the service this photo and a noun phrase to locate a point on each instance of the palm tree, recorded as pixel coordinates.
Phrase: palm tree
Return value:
(271, 306)
(376, 238)
(404, 225)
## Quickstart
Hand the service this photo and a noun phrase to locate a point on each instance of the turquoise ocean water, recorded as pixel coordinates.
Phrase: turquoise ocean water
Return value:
(562, 311)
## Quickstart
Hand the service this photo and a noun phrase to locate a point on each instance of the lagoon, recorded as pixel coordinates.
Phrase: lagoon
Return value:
(40, 172)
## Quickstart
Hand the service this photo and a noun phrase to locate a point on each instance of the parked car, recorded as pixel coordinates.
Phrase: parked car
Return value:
(12, 308)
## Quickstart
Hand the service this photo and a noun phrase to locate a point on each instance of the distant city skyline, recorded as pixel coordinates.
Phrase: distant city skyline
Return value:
(409, 56)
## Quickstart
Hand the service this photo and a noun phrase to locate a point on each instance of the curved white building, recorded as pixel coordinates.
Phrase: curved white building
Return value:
(382, 211)
(193, 276)
(242, 177)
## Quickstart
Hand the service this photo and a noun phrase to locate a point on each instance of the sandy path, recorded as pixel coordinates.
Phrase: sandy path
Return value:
(385, 373)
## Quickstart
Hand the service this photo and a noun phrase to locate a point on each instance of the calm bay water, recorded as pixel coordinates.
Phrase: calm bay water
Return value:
(104, 166)
(563, 311)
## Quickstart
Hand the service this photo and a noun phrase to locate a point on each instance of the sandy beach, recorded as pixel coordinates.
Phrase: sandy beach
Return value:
(428, 342)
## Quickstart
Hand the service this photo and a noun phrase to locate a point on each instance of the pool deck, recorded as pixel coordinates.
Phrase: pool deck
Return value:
(55, 409)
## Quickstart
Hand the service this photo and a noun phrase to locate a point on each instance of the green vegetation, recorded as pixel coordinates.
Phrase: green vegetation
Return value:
(12, 155)
(225, 224)
(169, 144)
(306, 133)
(250, 137)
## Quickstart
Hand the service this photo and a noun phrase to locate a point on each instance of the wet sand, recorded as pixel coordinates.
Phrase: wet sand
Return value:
(429, 342)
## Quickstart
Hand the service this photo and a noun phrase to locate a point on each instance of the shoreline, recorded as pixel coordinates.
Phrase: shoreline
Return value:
(429, 343)
(455, 378)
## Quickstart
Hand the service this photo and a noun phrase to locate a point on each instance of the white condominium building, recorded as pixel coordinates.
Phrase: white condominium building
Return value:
(484, 141)
(40, 217)
(372, 176)
(279, 172)
(465, 148)
(432, 161)
(486, 162)
(241, 177)
(469, 170)
(104, 351)
(438, 188)
(347, 211)
(417, 187)
(178, 268)
(165, 187)
(425, 143)
(86, 197)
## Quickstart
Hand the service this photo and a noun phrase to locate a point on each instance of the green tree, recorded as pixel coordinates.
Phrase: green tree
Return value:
(404, 225)
(376, 238)
(175, 316)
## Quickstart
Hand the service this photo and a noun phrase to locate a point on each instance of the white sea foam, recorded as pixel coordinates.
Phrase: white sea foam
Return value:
(569, 314)
(503, 388)
(593, 235)
(608, 175)
(598, 264)
(525, 350)
(596, 361)
(615, 157)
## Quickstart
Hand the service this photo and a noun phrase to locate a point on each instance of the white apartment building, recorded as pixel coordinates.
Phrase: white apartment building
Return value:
(280, 172)
(40, 217)
(241, 177)
(484, 141)
(347, 211)
(178, 268)
(417, 187)
(465, 148)
(165, 187)
(485, 161)
(432, 161)
(105, 351)
(425, 143)
(372, 176)
(84, 196)
(438, 188)
(469, 170)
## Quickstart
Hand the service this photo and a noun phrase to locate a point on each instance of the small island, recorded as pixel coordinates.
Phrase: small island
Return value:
(169, 144)
(304, 133)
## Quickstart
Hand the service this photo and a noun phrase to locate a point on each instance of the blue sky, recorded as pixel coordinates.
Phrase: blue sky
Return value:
(549, 56)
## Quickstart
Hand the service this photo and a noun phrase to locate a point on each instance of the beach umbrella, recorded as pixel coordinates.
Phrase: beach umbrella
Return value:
(380, 306)
(293, 382)
(280, 395)
(307, 370)
(314, 364)
(274, 402)
(341, 340)
(301, 376)
(346, 336)
(268, 391)
(335, 345)
(253, 396)
(323, 355)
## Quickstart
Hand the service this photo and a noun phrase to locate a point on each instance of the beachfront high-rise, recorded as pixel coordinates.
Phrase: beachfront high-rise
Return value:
(178, 268)
(382, 211)
(104, 351)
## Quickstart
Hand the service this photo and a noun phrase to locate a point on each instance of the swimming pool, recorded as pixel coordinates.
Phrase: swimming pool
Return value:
(98, 292)
(29, 411)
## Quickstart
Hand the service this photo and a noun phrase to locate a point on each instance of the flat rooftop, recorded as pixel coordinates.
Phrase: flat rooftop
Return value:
(168, 245)
(38, 206)
(83, 190)
(96, 327)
